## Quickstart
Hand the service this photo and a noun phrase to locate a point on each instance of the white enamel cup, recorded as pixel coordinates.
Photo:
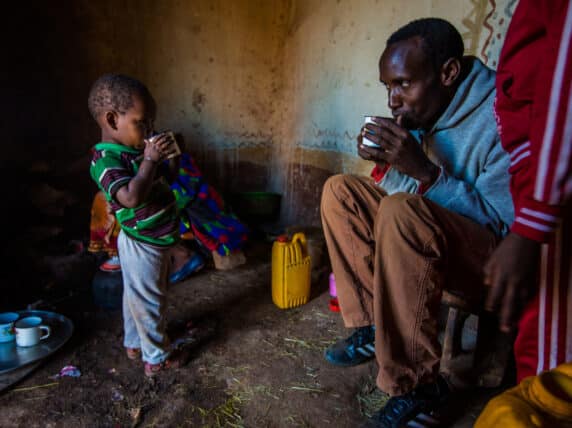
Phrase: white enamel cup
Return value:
(29, 331)
(365, 141)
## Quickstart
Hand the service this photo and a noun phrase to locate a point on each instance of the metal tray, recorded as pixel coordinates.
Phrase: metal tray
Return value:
(13, 357)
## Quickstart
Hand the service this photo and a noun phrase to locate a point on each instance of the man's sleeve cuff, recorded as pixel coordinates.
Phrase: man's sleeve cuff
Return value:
(378, 172)
(536, 221)
(422, 188)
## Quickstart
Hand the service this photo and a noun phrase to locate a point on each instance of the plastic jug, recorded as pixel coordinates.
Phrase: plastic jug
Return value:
(291, 268)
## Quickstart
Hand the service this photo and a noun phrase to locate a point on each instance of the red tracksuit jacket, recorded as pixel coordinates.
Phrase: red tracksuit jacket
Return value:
(534, 113)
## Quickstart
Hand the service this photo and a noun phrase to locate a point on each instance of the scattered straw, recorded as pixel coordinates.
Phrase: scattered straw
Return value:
(306, 389)
(297, 421)
(226, 414)
(246, 392)
(30, 388)
(315, 345)
(299, 342)
(370, 398)
(40, 397)
(288, 354)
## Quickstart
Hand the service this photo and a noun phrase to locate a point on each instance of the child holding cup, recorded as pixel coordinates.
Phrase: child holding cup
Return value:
(128, 167)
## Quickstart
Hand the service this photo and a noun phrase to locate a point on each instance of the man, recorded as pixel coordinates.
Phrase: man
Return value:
(438, 205)
(534, 110)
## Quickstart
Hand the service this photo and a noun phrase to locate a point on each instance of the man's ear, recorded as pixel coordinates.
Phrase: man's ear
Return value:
(450, 71)
(110, 119)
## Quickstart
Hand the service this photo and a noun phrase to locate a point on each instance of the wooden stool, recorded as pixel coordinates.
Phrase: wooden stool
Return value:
(234, 259)
(493, 348)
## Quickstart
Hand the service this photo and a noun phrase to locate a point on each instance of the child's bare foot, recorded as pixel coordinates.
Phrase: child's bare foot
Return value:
(153, 369)
(133, 353)
(176, 359)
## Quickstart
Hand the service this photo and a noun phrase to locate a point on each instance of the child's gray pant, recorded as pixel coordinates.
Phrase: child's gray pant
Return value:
(145, 274)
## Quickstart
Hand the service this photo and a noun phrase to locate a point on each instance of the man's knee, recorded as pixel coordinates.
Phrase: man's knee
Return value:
(400, 209)
(400, 203)
(334, 187)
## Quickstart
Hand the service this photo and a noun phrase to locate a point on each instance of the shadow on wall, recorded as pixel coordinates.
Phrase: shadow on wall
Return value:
(45, 234)
(301, 204)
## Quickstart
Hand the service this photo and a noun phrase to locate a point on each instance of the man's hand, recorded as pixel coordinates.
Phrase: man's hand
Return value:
(511, 275)
(399, 148)
(369, 153)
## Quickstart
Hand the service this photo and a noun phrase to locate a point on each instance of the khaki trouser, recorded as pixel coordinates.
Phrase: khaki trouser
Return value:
(392, 256)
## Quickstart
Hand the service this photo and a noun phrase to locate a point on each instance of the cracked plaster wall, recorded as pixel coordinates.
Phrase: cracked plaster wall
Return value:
(268, 95)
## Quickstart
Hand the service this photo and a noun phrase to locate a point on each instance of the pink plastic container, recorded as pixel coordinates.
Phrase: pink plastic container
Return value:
(333, 292)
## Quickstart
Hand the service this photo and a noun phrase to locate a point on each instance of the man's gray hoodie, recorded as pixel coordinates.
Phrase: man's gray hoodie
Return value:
(464, 142)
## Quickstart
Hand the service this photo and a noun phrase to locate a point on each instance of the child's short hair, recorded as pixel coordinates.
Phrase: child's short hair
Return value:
(115, 91)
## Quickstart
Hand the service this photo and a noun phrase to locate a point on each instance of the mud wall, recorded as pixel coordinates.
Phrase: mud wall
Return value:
(268, 95)
(331, 56)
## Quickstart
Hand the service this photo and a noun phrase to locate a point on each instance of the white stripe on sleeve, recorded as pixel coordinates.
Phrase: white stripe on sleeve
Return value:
(554, 104)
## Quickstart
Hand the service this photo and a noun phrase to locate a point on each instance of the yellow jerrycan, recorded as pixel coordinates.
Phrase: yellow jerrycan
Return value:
(291, 268)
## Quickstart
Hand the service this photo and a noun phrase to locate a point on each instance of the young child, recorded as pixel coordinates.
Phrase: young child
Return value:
(130, 170)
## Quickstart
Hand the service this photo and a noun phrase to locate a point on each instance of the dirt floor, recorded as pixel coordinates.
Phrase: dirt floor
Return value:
(260, 367)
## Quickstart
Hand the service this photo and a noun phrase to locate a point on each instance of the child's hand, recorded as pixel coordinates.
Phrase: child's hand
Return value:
(152, 151)
(171, 149)
(166, 145)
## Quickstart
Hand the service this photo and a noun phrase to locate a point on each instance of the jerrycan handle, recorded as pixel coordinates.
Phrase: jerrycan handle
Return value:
(302, 238)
